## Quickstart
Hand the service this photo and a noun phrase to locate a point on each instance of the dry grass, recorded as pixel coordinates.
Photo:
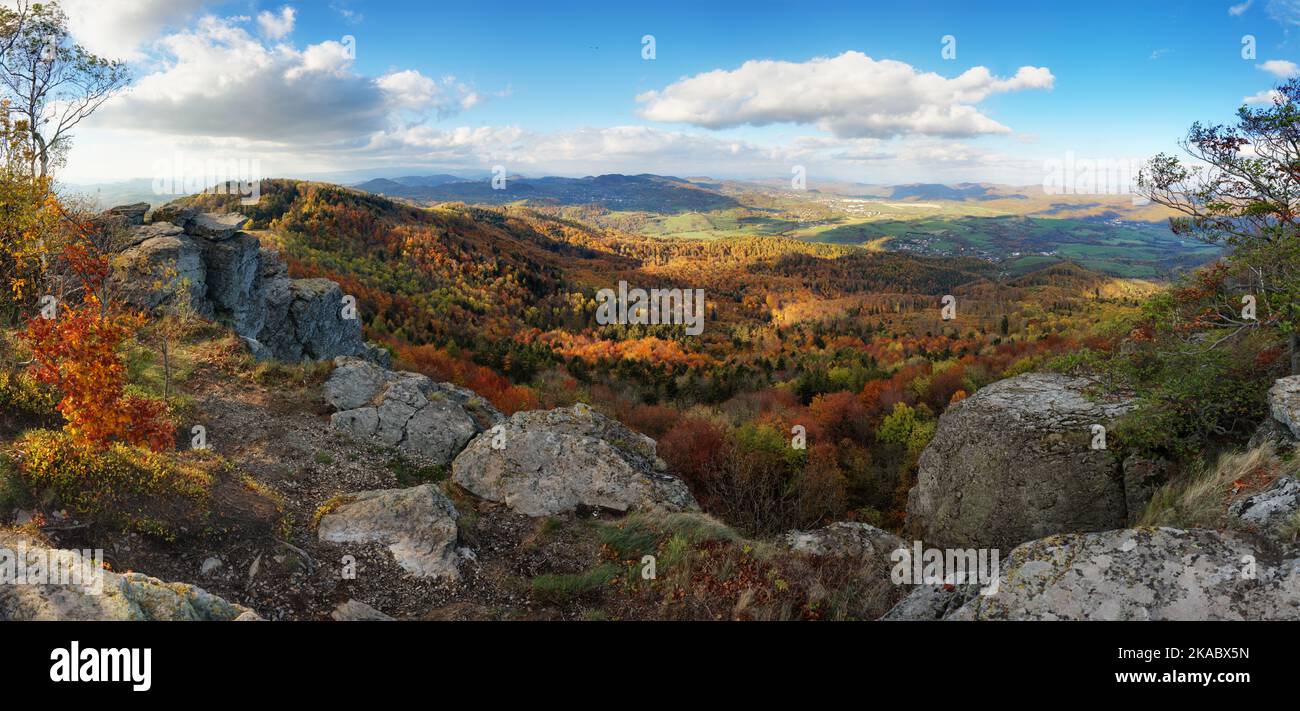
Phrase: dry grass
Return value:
(1201, 499)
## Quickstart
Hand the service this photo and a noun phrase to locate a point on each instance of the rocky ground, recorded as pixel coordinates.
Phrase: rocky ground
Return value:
(348, 490)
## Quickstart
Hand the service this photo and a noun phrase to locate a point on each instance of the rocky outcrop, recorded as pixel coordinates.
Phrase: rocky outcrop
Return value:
(418, 525)
(547, 462)
(1265, 511)
(409, 411)
(845, 539)
(1281, 429)
(1141, 574)
(207, 262)
(129, 596)
(1016, 461)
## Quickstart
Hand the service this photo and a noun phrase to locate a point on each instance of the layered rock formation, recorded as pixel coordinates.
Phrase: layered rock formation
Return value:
(205, 262)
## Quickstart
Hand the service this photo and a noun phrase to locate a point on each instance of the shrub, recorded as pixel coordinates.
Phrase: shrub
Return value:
(120, 485)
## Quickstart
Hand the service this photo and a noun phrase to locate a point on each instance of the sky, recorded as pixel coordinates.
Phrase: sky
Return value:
(871, 92)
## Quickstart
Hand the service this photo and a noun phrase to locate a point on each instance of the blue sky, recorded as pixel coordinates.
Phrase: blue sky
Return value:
(563, 88)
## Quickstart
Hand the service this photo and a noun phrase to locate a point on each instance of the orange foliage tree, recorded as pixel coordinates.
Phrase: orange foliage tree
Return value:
(75, 349)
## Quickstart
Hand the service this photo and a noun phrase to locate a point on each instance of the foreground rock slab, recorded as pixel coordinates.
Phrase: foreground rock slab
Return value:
(545, 462)
(417, 524)
(130, 596)
(1015, 462)
(1141, 574)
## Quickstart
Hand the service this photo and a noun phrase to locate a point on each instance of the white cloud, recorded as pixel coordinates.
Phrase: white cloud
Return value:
(1284, 12)
(1240, 9)
(410, 89)
(218, 80)
(851, 95)
(118, 29)
(1280, 68)
(276, 26)
(1268, 96)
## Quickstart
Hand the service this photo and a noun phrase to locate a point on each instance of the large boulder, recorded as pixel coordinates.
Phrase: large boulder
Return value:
(129, 596)
(409, 411)
(418, 525)
(1141, 574)
(545, 462)
(1015, 462)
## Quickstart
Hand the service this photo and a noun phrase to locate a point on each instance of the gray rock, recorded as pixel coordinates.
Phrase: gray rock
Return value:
(1270, 508)
(418, 525)
(143, 233)
(159, 270)
(555, 461)
(354, 382)
(845, 538)
(216, 226)
(1283, 426)
(405, 410)
(132, 214)
(233, 278)
(1141, 574)
(210, 565)
(1014, 462)
(304, 321)
(233, 267)
(174, 213)
(932, 602)
(130, 596)
(357, 611)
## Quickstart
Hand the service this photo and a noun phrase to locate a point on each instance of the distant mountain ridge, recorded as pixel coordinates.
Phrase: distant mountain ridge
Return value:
(653, 193)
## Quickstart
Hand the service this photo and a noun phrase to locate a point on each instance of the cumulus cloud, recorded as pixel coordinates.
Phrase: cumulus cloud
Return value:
(851, 95)
(1268, 96)
(1280, 68)
(219, 80)
(412, 90)
(118, 29)
(276, 26)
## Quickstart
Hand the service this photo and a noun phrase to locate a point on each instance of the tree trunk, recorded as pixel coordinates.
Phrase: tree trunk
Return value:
(1293, 341)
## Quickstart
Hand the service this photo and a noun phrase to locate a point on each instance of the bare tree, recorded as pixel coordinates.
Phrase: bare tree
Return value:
(54, 84)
